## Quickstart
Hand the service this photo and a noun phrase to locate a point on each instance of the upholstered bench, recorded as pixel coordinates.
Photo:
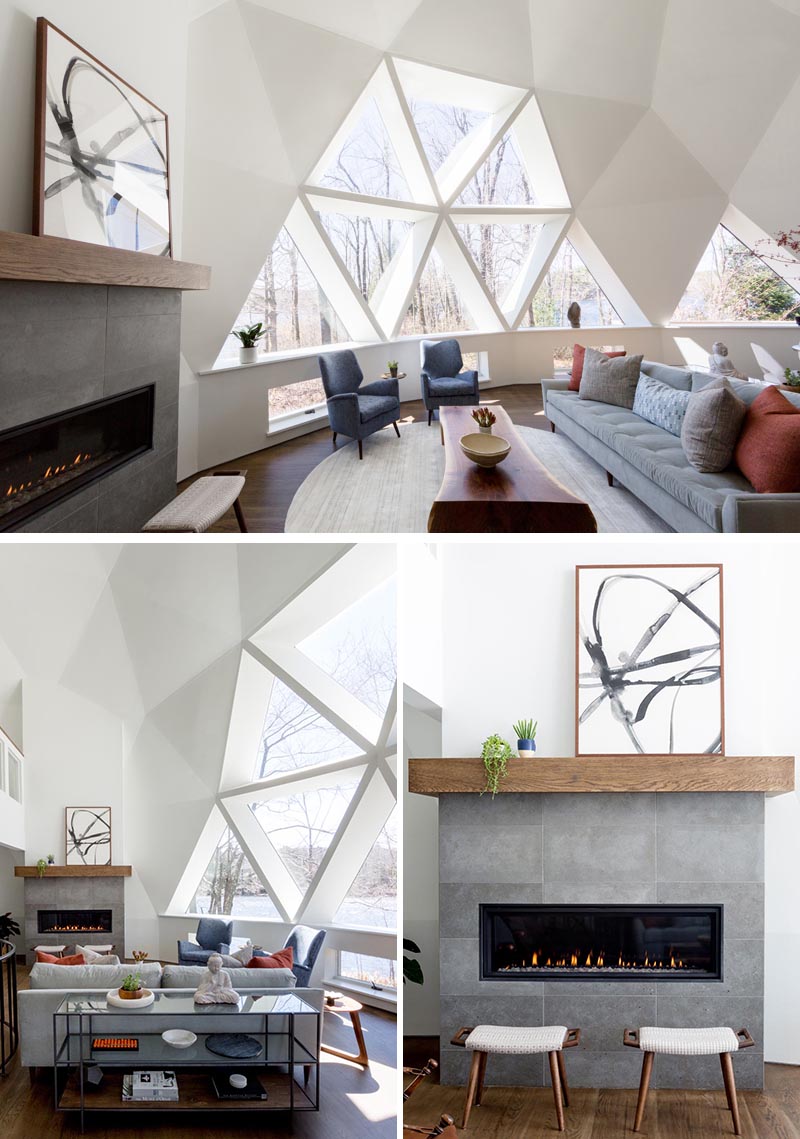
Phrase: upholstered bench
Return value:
(201, 505)
(489, 1038)
(688, 1042)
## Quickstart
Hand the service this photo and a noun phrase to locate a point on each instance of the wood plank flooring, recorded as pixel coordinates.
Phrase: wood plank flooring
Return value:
(274, 474)
(355, 1104)
(527, 1113)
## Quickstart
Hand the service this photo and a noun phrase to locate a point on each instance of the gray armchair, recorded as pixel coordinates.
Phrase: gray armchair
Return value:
(443, 383)
(356, 409)
(213, 936)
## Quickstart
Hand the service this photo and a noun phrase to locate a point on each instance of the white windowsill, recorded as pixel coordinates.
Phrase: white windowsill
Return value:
(294, 419)
(380, 998)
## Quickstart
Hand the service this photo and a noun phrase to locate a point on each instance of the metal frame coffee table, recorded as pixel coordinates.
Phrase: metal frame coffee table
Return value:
(272, 1018)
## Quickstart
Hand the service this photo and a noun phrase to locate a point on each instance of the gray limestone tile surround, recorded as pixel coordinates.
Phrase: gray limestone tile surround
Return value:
(75, 894)
(65, 345)
(597, 848)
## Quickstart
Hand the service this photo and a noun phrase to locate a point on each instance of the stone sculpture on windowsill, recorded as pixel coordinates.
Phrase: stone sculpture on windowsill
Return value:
(574, 315)
(720, 363)
(215, 986)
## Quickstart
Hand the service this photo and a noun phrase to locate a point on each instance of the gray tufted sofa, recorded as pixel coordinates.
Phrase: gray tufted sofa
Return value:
(49, 984)
(651, 463)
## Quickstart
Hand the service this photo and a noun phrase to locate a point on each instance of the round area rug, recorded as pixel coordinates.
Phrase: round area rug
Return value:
(391, 490)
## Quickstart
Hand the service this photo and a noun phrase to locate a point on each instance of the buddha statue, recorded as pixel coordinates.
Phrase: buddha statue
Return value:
(720, 363)
(215, 986)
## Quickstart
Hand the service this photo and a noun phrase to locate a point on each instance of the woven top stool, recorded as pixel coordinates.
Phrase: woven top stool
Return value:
(201, 505)
(688, 1042)
(492, 1038)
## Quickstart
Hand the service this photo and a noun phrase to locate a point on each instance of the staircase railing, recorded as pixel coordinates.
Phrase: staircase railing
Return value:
(9, 1019)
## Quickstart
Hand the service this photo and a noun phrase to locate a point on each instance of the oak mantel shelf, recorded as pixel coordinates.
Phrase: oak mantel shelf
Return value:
(75, 872)
(619, 773)
(27, 258)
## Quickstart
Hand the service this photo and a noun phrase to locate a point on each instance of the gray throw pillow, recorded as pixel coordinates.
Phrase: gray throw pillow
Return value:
(610, 380)
(661, 404)
(711, 426)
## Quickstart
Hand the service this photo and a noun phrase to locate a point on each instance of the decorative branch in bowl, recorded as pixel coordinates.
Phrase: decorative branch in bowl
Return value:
(485, 418)
(495, 754)
(525, 731)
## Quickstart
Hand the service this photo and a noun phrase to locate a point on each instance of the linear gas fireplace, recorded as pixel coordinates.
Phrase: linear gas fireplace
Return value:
(602, 942)
(48, 460)
(74, 921)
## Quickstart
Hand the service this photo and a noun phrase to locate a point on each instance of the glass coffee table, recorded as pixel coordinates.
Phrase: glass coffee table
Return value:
(286, 1027)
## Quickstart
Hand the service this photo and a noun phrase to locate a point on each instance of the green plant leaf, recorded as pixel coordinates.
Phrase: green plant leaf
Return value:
(412, 971)
(410, 946)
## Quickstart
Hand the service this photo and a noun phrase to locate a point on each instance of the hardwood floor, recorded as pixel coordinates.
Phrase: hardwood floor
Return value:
(273, 475)
(527, 1113)
(355, 1104)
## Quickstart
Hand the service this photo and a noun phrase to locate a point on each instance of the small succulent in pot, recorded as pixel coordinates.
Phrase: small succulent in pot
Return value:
(392, 367)
(495, 754)
(485, 418)
(131, 987)
(51, 860)
(525, 731)
(249, 338)
(41, 867)
(792, 378)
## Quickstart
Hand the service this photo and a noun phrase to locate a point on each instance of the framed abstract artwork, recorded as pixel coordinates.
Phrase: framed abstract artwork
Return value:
(88, 836)
(649, 667)
(101, 171)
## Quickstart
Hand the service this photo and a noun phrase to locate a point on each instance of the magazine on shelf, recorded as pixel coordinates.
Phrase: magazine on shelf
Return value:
(149, 1086)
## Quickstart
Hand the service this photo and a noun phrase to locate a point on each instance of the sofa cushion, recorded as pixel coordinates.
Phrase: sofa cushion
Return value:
(370, 406)
(660, 403)
(282, 959)
(92, 957)
(768, 449)
(189, 977)
(679, 378)
(746, 390)
(51, 959)
(452, 386)
(711, 426)
(608, 380)
(578, 360)
(101, 977)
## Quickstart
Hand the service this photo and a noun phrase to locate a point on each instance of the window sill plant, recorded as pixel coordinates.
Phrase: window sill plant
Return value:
(495, 754)
(525, 731)
(249, 338)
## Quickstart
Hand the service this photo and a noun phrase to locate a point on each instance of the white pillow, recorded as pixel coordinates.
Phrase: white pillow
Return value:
(93, 958)
(244, 953)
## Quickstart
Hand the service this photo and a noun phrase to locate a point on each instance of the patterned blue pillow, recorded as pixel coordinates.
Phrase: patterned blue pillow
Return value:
(660, 404)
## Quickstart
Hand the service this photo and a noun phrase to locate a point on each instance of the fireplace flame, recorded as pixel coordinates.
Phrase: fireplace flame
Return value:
(581, 959)
(51, 473)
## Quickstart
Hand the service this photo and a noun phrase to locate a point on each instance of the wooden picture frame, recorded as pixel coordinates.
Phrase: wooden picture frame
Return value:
(93, 836)
(703, 656)
(97, 165)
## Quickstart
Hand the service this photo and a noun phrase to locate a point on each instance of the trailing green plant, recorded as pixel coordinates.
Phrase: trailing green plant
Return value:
(250, 336)
(495, 754)
(792, 378)
(41, 867)
(132, 983)
(8, 927)
(412, 970)
(525, 729)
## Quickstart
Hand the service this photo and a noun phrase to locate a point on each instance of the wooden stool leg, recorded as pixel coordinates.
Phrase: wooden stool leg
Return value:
(397, 429)
(562, 1073)
(555, 1079)
(644, 1087)
(472, 1085)
(237, 509)
(730, 1090)
(481, 1078)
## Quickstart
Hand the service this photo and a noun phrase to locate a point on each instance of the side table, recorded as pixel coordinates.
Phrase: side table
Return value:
(353, 1009)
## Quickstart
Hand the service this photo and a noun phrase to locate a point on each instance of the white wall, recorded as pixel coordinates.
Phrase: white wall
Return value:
(529, 597)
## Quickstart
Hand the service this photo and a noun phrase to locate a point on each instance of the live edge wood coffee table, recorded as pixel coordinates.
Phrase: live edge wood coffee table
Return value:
(518, 496)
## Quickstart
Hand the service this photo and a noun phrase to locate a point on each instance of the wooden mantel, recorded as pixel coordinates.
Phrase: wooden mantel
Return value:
(75, 872)
(27, 258)
(619, 773)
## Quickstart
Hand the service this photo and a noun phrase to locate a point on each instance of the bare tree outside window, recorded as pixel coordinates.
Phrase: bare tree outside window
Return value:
(569, 280)
(231, 886)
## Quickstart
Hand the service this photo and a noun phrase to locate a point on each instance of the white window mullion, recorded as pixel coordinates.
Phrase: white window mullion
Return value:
(537, 266)
(267, 864)
(470, 285)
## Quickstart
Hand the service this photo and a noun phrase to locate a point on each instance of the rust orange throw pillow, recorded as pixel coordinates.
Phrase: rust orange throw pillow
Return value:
(768, 451)
(578, 356)
(50, 959)
(283, 959)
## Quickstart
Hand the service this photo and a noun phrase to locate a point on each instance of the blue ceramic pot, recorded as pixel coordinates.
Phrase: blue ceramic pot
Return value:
(526, 748)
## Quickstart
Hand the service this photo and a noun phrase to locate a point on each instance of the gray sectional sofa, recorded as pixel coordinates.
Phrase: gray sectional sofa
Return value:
(650, 462)
(49, 984)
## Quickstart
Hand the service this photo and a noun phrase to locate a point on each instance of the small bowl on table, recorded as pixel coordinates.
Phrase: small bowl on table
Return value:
(485, 450)
(179, 1038)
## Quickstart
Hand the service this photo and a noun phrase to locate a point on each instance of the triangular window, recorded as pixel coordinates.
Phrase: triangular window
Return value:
(230, 886)
(499, 251)
(442, 128)
(372, 898)
(366, 162)
(366, 244)
(502, 180)
(732, 283)
(569, 280)
(296, 736)
(435, 305)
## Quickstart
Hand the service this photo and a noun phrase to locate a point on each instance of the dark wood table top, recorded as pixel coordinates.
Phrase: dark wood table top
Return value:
(518, 496)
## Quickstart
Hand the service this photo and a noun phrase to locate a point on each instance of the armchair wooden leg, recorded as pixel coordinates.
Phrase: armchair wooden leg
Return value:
(396, 428)
(237, 509)
(334, 438)
(430, 417)
(730, 1090)
(644, 1087)
(472, 1085)
(553, 427)
(481, 1078)
(609, 478)
(555, 1080)
(562, 1073)
(360, 449)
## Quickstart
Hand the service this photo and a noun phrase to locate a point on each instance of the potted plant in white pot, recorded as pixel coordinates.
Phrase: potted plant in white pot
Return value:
(249, 338)
(525, 731)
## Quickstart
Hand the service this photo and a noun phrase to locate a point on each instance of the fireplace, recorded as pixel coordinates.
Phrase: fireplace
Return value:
(601, 942)
(74, 921)
(52, 458)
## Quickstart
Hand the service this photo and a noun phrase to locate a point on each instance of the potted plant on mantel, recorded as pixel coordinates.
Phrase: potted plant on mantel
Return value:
(41, 867)
(249, 338)
(495, 754)
(131, 988)
(525, 731)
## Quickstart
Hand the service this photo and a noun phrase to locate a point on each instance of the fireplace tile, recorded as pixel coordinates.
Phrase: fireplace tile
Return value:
(461, 1010)
(622, 988)
(482, 810)
(743, 969)
(599, 893)
(601, 1016)
(704, 1072)
(589, 1069)
(696, 1008)
(490, 854)
(125, 506)
(458, 904)
(80, 521)
(711, 853)
(501, 1071)
(165, 377)
(714, 809)
(572, 812)
(36, 302)
(599, 854)
(124, 300)
(459, 973)
(139, 341)
(743, 902)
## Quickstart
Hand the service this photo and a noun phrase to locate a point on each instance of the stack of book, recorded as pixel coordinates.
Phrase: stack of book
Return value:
(150, 1086)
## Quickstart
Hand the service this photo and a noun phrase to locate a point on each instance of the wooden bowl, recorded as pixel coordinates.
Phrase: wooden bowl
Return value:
(485, 450)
